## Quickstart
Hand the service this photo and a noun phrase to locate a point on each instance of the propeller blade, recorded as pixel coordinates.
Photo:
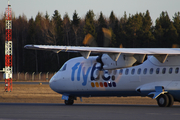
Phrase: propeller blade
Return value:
(107, 36)
(89, 40)
(120, 46)
(175, 46)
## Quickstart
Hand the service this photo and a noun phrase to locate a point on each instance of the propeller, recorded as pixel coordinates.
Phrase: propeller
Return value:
(90, 41)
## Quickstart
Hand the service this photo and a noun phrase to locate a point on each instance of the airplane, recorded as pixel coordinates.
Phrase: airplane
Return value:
(113, 73)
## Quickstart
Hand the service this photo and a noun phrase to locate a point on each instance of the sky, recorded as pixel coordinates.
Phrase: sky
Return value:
(31, 7)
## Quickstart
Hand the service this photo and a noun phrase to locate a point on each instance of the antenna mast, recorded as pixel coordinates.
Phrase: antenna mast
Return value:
(8, 50)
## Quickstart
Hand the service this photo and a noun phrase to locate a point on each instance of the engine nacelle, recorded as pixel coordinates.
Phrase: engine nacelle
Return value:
(122, 62)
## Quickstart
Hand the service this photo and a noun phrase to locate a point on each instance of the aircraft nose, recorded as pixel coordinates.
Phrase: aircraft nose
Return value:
(50, 83)
(57, 83)
(53, 83)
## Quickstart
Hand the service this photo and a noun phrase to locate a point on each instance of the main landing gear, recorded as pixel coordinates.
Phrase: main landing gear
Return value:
(165, 100)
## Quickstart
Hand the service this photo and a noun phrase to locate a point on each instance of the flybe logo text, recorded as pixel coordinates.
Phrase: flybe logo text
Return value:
(83, 71)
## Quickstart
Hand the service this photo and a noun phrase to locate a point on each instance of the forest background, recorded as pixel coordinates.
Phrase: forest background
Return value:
(132, 31)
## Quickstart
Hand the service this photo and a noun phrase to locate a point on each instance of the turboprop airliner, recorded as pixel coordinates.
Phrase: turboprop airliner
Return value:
(113, 73)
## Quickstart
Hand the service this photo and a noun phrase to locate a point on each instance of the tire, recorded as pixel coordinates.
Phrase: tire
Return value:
(69, 102)
(66, 102)
(171, 100)
(163, 100)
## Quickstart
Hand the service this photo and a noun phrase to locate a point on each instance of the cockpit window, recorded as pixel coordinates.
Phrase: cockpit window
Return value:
(63, 68)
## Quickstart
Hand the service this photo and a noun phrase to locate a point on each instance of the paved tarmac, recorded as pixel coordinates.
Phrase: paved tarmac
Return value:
(22, 111)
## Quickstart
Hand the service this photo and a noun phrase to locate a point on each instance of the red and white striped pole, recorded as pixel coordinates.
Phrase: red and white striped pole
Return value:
(8, 50)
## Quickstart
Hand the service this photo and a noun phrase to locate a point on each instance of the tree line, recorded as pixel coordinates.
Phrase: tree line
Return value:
(132, 31)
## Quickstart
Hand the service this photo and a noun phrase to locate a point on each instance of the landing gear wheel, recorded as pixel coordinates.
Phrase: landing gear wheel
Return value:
(171, 100)
(69, 102)
(163, 100)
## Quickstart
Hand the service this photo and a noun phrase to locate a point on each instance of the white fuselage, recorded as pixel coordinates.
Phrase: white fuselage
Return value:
(82, 78)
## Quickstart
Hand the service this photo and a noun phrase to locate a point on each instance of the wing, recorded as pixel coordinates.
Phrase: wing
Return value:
(160, 53)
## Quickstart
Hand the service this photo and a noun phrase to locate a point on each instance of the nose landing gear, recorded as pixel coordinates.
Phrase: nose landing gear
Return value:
(69, 102)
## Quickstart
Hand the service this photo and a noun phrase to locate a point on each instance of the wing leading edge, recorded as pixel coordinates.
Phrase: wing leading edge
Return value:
(160, 53)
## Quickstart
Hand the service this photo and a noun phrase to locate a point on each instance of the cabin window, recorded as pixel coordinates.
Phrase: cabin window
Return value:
(139, 71)
(127, 71)
(176, 70)
(133, 71)
(145, 71)
(151, 71)
(163, 70)
(170, 70)
(121, 71)
(63, 68)
(157, 71)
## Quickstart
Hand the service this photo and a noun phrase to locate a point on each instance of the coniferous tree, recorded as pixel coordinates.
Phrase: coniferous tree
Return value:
(38, 40)
(158, 33)
(20, 34)
(57, 32)
(66, 28)
(176, 23)
(75, 25)
(67, 34)
(100, 35)
(172, 35)
(120, 32)
(47, 16)
(133, 27)
(58, 24)
(132, 31)
(89, 24)
(112, 20)
(165, 30)
(147, 36)
(30, 61)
